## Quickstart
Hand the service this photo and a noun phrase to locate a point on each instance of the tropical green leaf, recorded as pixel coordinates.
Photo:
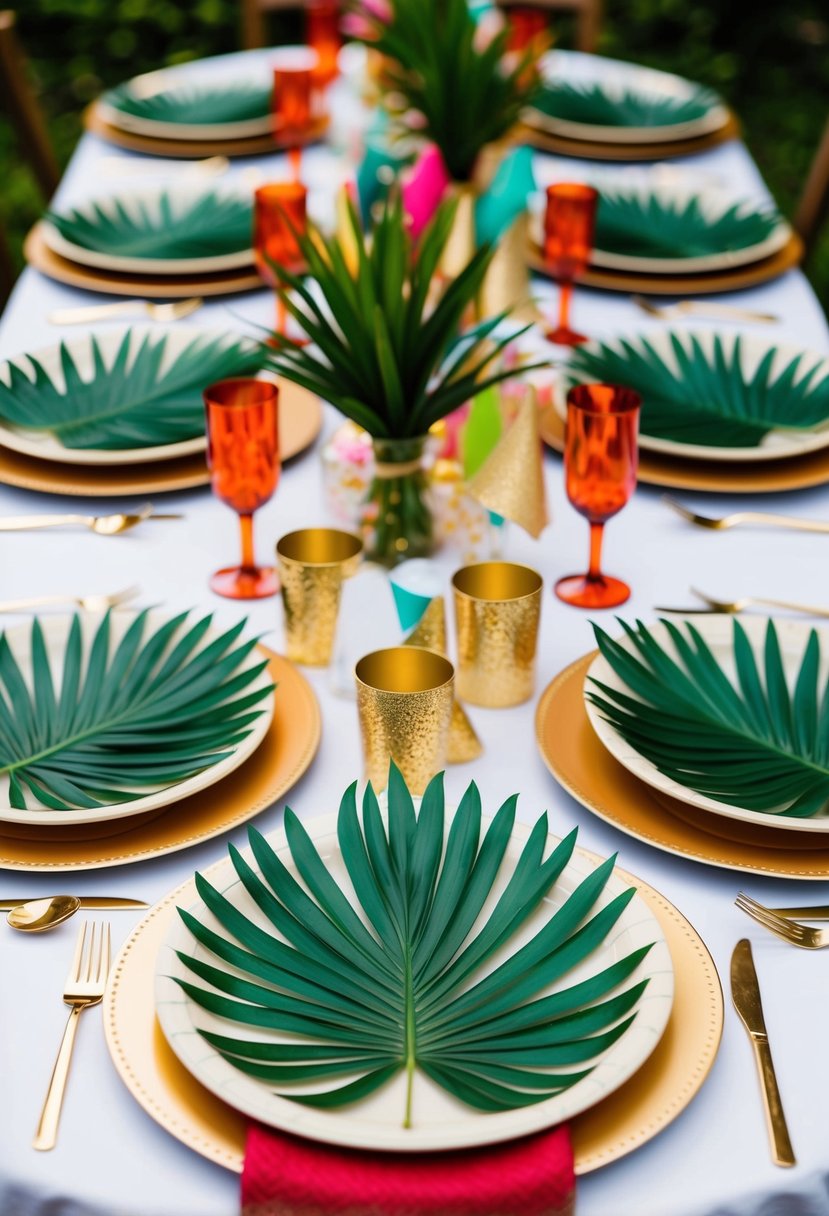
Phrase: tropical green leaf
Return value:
(381, 351)
(468, 94)
(759, 741)
(702, 395)
(413, 976)
(200, 104)
(189, 226)
(654, 225)
(102, 722)
(596, 105)
(139, 398)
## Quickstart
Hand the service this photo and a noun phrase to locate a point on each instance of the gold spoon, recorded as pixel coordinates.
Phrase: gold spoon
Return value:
(41, 914)
(103, 525)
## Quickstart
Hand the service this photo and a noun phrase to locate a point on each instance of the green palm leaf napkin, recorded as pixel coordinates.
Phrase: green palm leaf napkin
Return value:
(595, 105)
(656, 225)
(101, 723)
(140, 398)
(702, 395)
(195, 104)
(188, 226)
(748, 741)
(397, 986)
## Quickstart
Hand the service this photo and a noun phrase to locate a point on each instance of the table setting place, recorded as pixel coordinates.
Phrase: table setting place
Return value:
(410, 846)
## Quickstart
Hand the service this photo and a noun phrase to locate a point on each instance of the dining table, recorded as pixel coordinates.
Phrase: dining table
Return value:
(112, 1159)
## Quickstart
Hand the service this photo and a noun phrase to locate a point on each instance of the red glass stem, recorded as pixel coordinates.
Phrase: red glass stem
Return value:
(295, 160)
(594, 574)
(565, 295)
(246, 529)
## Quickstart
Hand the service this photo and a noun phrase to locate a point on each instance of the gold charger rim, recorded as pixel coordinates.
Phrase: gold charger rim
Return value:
(155, 477)
(284, 755)
(672, 472)
(635, 811)
(149, 1082)
(588, 149)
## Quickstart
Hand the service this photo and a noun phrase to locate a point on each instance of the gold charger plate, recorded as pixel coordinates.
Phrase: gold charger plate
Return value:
(717, 476)
(634, 1114)
(708, 283)
(588, 149)
(277, 764)
(300, 421)
(117, 283)
(579, 762)
(255, 145)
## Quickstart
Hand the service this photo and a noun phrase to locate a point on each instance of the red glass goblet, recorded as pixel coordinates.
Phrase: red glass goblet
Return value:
(279, 214)
(600, 461)
(569, 221)
(293, 97)
(243, 458)
(322, 33)
(525, 26)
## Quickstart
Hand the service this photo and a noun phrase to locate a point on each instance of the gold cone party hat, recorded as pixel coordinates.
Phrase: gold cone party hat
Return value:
(511, 480)
(430, 632)
(506, 285)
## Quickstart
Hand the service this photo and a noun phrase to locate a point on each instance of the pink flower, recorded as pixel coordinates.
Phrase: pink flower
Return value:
(423, 188)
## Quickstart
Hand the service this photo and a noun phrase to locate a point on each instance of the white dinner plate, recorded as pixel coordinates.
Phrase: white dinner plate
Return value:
(56, 632)
(439, 1120)
(717, 631)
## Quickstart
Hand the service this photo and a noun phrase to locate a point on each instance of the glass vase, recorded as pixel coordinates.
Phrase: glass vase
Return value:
(397, 516)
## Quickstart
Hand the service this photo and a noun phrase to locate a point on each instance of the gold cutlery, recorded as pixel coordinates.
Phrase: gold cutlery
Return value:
(785, 927)
(87, 603)
(103, 525)
(84, 987)
(209, 166)
(745, 993)
(86, 902)
(736, 518)
(172, 311)
(732, 607)
(701, 308)
(41, 915)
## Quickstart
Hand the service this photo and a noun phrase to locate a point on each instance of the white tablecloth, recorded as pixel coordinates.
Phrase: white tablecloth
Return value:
(112, 1159)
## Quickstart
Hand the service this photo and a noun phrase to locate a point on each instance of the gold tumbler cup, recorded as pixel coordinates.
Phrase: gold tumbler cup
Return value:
(312, 565)
(497, 610)
(404, 700)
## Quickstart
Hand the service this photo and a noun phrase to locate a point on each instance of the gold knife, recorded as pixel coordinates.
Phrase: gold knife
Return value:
(99, 902)
(745, 993)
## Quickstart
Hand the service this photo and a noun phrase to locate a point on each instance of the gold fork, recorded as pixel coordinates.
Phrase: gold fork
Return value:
(87, 603)
(173, 311)
(736, 518)
(103, 525)
(705, 308)
(790, 931)
(732, 607)
(84, 986)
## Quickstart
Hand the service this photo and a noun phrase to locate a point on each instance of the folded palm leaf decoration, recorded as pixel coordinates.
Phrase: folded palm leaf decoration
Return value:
(751, 743)
(468, 94)
(709, 399)
(195, 104)
(653, 226)
(595, 105)
(137, 400)
(201, 226)
(151, 711)
(403, 984)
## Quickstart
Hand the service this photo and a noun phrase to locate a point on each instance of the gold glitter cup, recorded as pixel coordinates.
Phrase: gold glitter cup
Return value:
(497, 610)
(313, 563)
(404, 702)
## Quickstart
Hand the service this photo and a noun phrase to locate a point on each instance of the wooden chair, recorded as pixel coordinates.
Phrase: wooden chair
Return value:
(254, 24)
(588, 15)
(814, 201)
(30, 127)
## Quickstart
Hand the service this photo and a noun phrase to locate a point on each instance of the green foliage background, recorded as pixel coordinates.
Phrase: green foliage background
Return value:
(770, 60)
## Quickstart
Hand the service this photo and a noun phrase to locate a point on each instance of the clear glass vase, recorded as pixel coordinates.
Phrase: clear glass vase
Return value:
(397, 516)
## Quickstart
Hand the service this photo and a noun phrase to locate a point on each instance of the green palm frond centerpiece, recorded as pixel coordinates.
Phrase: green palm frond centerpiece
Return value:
(758, 740)
(655, 225)
(103, 722)
(595, 105)
(469, 94)
(699, 393)
(187, 225)
(399, 970)
(141, 397)
(195, 104)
